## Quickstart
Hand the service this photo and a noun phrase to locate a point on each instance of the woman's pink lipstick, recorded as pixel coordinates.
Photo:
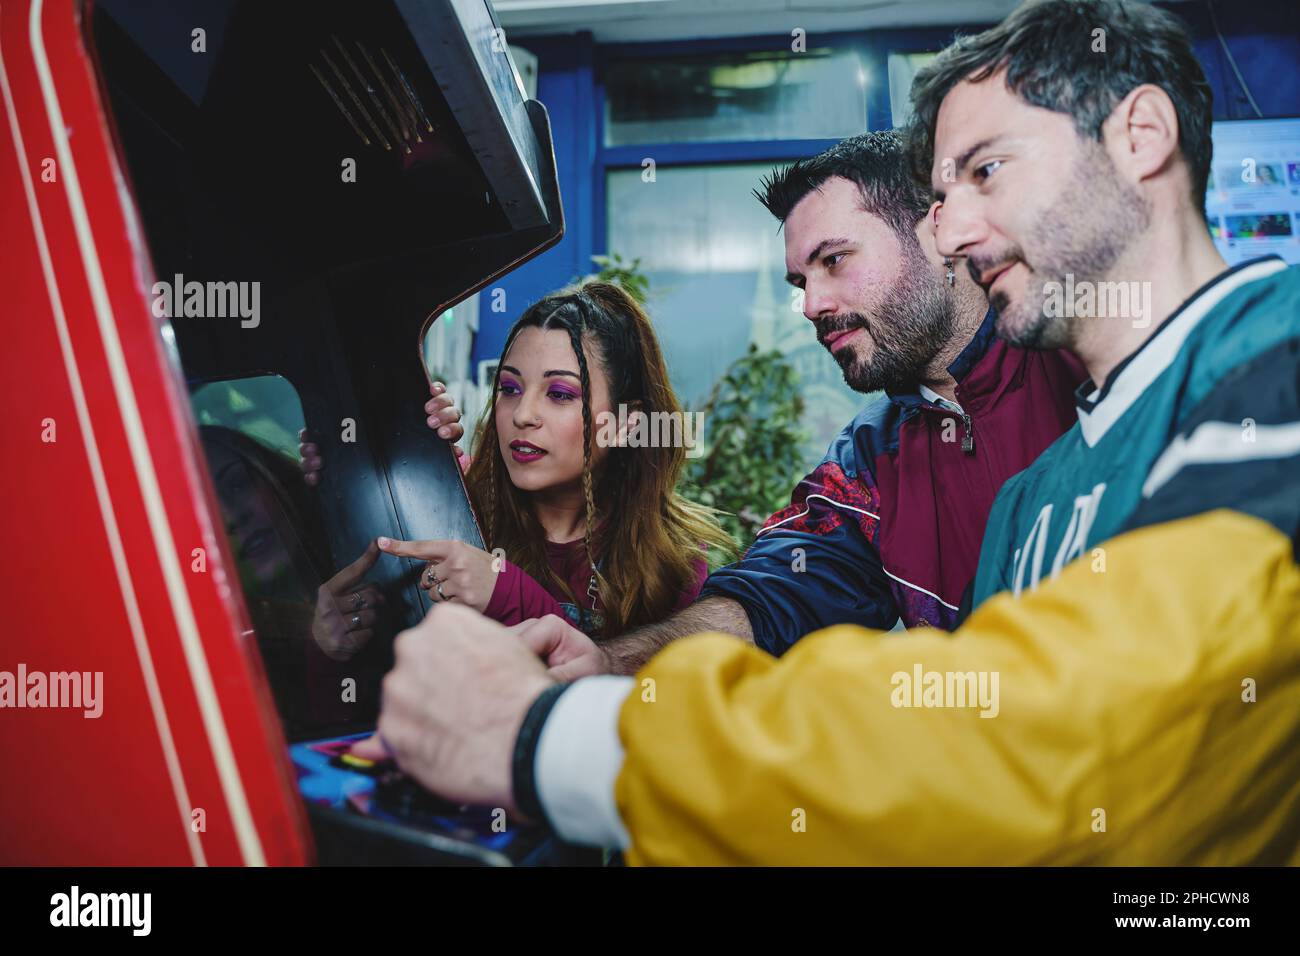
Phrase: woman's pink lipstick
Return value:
(524, 452)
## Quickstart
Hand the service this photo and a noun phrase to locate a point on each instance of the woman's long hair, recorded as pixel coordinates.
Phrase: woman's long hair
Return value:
(648, 539)
(296, 521)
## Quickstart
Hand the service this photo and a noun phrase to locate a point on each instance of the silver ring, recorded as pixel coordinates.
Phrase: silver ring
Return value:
(438, 587)
(358, 602)
(429, 577)
(356, 620)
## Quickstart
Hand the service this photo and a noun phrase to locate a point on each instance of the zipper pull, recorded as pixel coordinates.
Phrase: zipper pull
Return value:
(967, 440)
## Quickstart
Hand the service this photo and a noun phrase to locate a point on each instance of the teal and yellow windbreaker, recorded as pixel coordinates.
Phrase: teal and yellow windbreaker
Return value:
(1145, 708)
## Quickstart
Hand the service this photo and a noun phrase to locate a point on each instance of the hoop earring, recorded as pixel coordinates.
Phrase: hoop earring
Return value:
(951, 276)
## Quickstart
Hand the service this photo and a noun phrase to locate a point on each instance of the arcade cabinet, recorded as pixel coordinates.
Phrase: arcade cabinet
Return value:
(260, 209)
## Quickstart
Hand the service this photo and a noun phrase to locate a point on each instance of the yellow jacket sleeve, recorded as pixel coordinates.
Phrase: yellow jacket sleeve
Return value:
(1147, 713)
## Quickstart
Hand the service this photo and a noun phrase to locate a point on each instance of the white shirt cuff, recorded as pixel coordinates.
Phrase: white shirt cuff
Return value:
(578, 759)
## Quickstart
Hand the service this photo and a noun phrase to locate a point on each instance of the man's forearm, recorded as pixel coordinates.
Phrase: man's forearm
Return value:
(628, 652)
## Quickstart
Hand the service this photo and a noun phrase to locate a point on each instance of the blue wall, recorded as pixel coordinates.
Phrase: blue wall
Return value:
(1264, 38)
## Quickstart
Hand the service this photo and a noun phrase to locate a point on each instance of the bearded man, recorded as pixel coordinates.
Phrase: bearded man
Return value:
(888, 527)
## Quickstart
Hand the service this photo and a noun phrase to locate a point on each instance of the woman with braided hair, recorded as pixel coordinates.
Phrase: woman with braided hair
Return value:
(591, 530)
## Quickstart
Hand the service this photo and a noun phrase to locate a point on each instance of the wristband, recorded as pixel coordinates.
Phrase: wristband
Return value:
(523, 766)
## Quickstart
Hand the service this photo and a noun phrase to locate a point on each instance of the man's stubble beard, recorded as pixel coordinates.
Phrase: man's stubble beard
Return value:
(913, 323)
(1083, 233)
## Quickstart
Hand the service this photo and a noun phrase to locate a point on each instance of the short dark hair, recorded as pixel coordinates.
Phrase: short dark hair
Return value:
(876, 162)
(1047, 50)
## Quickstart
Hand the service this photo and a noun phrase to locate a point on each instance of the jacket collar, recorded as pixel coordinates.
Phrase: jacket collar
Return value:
(961, 366)
(1100, 408)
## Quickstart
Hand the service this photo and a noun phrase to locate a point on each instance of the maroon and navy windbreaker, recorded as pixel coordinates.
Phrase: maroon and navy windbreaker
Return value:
(889, 525)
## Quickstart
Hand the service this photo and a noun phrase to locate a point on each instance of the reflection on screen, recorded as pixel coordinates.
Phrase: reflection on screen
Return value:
(321, 631)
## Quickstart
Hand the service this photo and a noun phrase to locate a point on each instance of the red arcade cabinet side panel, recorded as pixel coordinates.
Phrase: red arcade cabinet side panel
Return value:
(135, 724)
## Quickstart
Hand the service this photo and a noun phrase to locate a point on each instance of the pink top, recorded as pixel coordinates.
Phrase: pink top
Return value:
(518, 597)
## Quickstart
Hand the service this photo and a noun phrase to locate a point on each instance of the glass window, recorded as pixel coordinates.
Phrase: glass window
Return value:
(449, 341)
(716, 266)
(820, 94)
(903, 67)
(448, 344)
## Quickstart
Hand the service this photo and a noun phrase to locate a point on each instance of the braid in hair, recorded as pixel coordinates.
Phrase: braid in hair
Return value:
(491, 511)
(494, 474)
(575, 337)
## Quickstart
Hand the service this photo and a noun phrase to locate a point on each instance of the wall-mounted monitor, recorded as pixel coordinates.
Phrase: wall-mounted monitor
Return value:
(1253, 197)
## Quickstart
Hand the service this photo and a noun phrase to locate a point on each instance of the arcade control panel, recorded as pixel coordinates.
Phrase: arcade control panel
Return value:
(370, 813)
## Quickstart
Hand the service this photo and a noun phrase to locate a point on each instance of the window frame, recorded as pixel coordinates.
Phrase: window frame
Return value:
(873, 46)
